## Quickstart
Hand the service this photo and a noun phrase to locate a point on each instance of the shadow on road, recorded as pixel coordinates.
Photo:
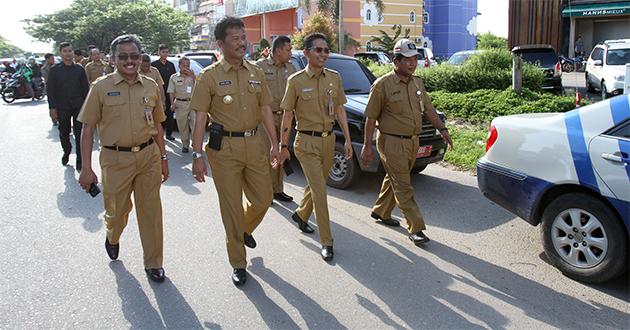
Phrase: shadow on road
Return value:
(175, 310)
(25, 104)
(74, 202)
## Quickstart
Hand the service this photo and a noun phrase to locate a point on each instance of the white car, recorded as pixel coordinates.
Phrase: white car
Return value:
(569, 172)
(426, 58)
(606, 67)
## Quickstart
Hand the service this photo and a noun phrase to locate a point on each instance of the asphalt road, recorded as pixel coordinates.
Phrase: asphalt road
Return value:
(484, 268)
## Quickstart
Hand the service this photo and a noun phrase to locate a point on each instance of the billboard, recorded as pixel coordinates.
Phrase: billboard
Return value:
(244, 8)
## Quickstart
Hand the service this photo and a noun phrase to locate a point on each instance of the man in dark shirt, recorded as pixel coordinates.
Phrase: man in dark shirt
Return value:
(166, 69)
(67, 88)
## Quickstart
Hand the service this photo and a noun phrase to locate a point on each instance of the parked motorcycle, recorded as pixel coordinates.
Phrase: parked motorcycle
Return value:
(15, 89)
(577, 63)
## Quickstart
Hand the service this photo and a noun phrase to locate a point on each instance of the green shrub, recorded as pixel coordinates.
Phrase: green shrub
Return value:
(470, 145)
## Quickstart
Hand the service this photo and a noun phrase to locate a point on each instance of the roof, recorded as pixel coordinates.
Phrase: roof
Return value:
(532, 46)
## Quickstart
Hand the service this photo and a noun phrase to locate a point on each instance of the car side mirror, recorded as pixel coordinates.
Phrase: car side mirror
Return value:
(598, 63)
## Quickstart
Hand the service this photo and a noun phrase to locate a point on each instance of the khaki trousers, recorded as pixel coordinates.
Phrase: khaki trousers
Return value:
(398, 157)
(316, 158)
(185, 122)
(241, 166)
(140, 173)
(277, 174)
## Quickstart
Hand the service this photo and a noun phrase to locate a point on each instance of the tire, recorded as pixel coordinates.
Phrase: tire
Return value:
(567, 67)
(343, 172)
(602, 247)
(589, 87)
(604, 91)
(8, 96)
(418, 169)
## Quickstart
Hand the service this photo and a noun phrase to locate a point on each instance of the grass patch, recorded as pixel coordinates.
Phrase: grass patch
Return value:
(470, 145)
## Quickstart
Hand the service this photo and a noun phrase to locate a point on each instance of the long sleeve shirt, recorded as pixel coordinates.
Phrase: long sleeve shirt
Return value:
(67, 86)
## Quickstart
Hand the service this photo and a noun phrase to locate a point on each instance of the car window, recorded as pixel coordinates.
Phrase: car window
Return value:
(458, 58)
(618, 56)
(540, 57)
(354, 78)
(597, 54)
(421, 54)
(296, 63)
(622, 131)
(204, 61)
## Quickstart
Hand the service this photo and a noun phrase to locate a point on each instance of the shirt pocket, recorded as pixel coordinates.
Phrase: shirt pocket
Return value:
(307, 95)
(113, 107)
(395, 102)
(225, 97)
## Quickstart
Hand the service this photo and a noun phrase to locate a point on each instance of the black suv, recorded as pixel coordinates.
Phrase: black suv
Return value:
(357, 80)
(545, 57)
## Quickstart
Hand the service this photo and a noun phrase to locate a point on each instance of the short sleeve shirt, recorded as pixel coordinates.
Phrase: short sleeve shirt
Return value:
(233, 97)
(96, 69)
(155, 75)
(397, 106)
(312, 97)
(277, 77)
(182, 86)
(117, 108)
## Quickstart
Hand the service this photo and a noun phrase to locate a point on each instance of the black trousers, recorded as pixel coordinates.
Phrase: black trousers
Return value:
(68, 121)
(169, 123)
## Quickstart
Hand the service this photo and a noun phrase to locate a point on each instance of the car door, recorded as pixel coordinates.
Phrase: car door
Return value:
(595, 71)
(610, 154)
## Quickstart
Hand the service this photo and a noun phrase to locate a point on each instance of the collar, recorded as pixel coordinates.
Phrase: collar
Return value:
(227, 66)
(119, 78)
(397, 79)
(311, 74)
(272, 62)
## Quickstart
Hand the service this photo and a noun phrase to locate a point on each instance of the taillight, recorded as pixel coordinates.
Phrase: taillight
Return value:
(492, 137)
(426, 62)
(558, 70)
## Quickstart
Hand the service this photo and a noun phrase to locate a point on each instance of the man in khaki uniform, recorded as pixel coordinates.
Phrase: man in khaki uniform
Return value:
(96, 67)
(149, 71)
(125, 107)
(235, 94)
(396, 105)
(316, 95)
(277, 70)
(180, 89)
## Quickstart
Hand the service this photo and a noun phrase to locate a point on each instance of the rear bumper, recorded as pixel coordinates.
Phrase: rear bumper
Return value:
(512, 190)
(553, 83)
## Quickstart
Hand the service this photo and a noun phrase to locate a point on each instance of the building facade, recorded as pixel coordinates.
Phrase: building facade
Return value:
(450, 26)
(407, 13)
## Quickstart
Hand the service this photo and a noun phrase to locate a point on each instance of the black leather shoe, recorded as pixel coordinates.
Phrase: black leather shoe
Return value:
(281, 196)
(303, 225)
(112, 250)
(327, 252)
(155, 274)
(78, 166)
(239, 276)
(64, 159)
(419, 238)
(185, 150)
(389, 222)
(250, 242)
(170, 137)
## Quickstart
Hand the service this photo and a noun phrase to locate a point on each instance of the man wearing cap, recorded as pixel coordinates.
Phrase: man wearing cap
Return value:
(179, 90)
(316, 96)
(277, 70)
(396, 106)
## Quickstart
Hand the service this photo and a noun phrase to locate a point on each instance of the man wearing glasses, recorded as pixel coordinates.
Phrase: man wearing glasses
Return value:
(126, 109)
(316, 95)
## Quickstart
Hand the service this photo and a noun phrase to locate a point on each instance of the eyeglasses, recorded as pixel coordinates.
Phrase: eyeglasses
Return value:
(321, 49)
(125, 56)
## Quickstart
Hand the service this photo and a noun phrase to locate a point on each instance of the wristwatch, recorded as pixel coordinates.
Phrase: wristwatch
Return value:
(164, 157)
(197, 155)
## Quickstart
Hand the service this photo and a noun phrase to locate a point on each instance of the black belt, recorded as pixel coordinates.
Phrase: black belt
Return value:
(183, 100)
(249, 133)
(315, 133)
(400, 136)
(132, 149)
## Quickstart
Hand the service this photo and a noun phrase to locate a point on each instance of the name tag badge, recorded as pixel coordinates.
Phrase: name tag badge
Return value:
(148, 114)
(225, 82)
(254, 82)
(306, 90)
(113, 93)
(189, 89)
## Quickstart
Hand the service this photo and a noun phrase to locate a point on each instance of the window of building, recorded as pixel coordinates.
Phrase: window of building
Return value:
(425, 18)
(381, 18)
(368, 46)
(412, 17)
(368, 15)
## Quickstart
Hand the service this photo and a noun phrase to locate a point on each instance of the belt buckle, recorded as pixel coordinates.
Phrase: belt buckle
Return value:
(324, 134)
(135, 149)
(249, 133)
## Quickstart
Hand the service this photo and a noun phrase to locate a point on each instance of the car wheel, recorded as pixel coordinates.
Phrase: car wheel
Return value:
(567, 67)
(8, 96)
(589, 87)
(343, 171)
(604, 91)
(583, 238)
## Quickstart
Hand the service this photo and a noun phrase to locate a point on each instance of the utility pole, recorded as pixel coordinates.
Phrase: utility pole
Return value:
(341, 33)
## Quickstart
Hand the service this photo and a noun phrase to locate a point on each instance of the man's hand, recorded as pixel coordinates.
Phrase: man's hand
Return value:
(174, 105)
(199, 170)
(284, 155)
(347, 149)
(86, 178)
(274, 155)
(53, 114)
(165, 171)
(447, 138)
(367, 155)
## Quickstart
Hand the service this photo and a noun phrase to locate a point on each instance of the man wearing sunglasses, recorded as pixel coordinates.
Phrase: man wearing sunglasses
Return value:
(396, 105)
(235, 94)
(127, 110)
(316, 96)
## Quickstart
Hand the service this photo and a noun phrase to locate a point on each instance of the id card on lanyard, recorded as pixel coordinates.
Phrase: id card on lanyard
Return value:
(331, 104)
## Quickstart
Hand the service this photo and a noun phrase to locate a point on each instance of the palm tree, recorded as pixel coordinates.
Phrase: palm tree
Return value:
(386, 41)
(332, 6)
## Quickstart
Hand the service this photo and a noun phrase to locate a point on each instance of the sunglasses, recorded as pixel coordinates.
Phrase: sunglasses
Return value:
(321, 49)
(125, 56)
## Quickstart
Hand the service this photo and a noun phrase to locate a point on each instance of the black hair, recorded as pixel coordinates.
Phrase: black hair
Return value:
(64, 45)
(125, 39)
(309, 39)
(48, 55)
(146, 58)
(162, 46)
(279, 42)
(228, 22)
(78, 52)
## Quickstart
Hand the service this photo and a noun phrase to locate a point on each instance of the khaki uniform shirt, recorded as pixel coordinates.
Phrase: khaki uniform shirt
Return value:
(233, 98)
(181, 86)
(96, 69)
(153, 74)
(277, 77)
(85, 62)
(398, 106)
(118, 108)
(311, 97)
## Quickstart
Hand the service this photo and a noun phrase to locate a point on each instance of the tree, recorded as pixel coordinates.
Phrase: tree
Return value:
(490, 41)
(7, 49)
(386, 41)
(318, 22)
(95, 22)
(332, 6)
